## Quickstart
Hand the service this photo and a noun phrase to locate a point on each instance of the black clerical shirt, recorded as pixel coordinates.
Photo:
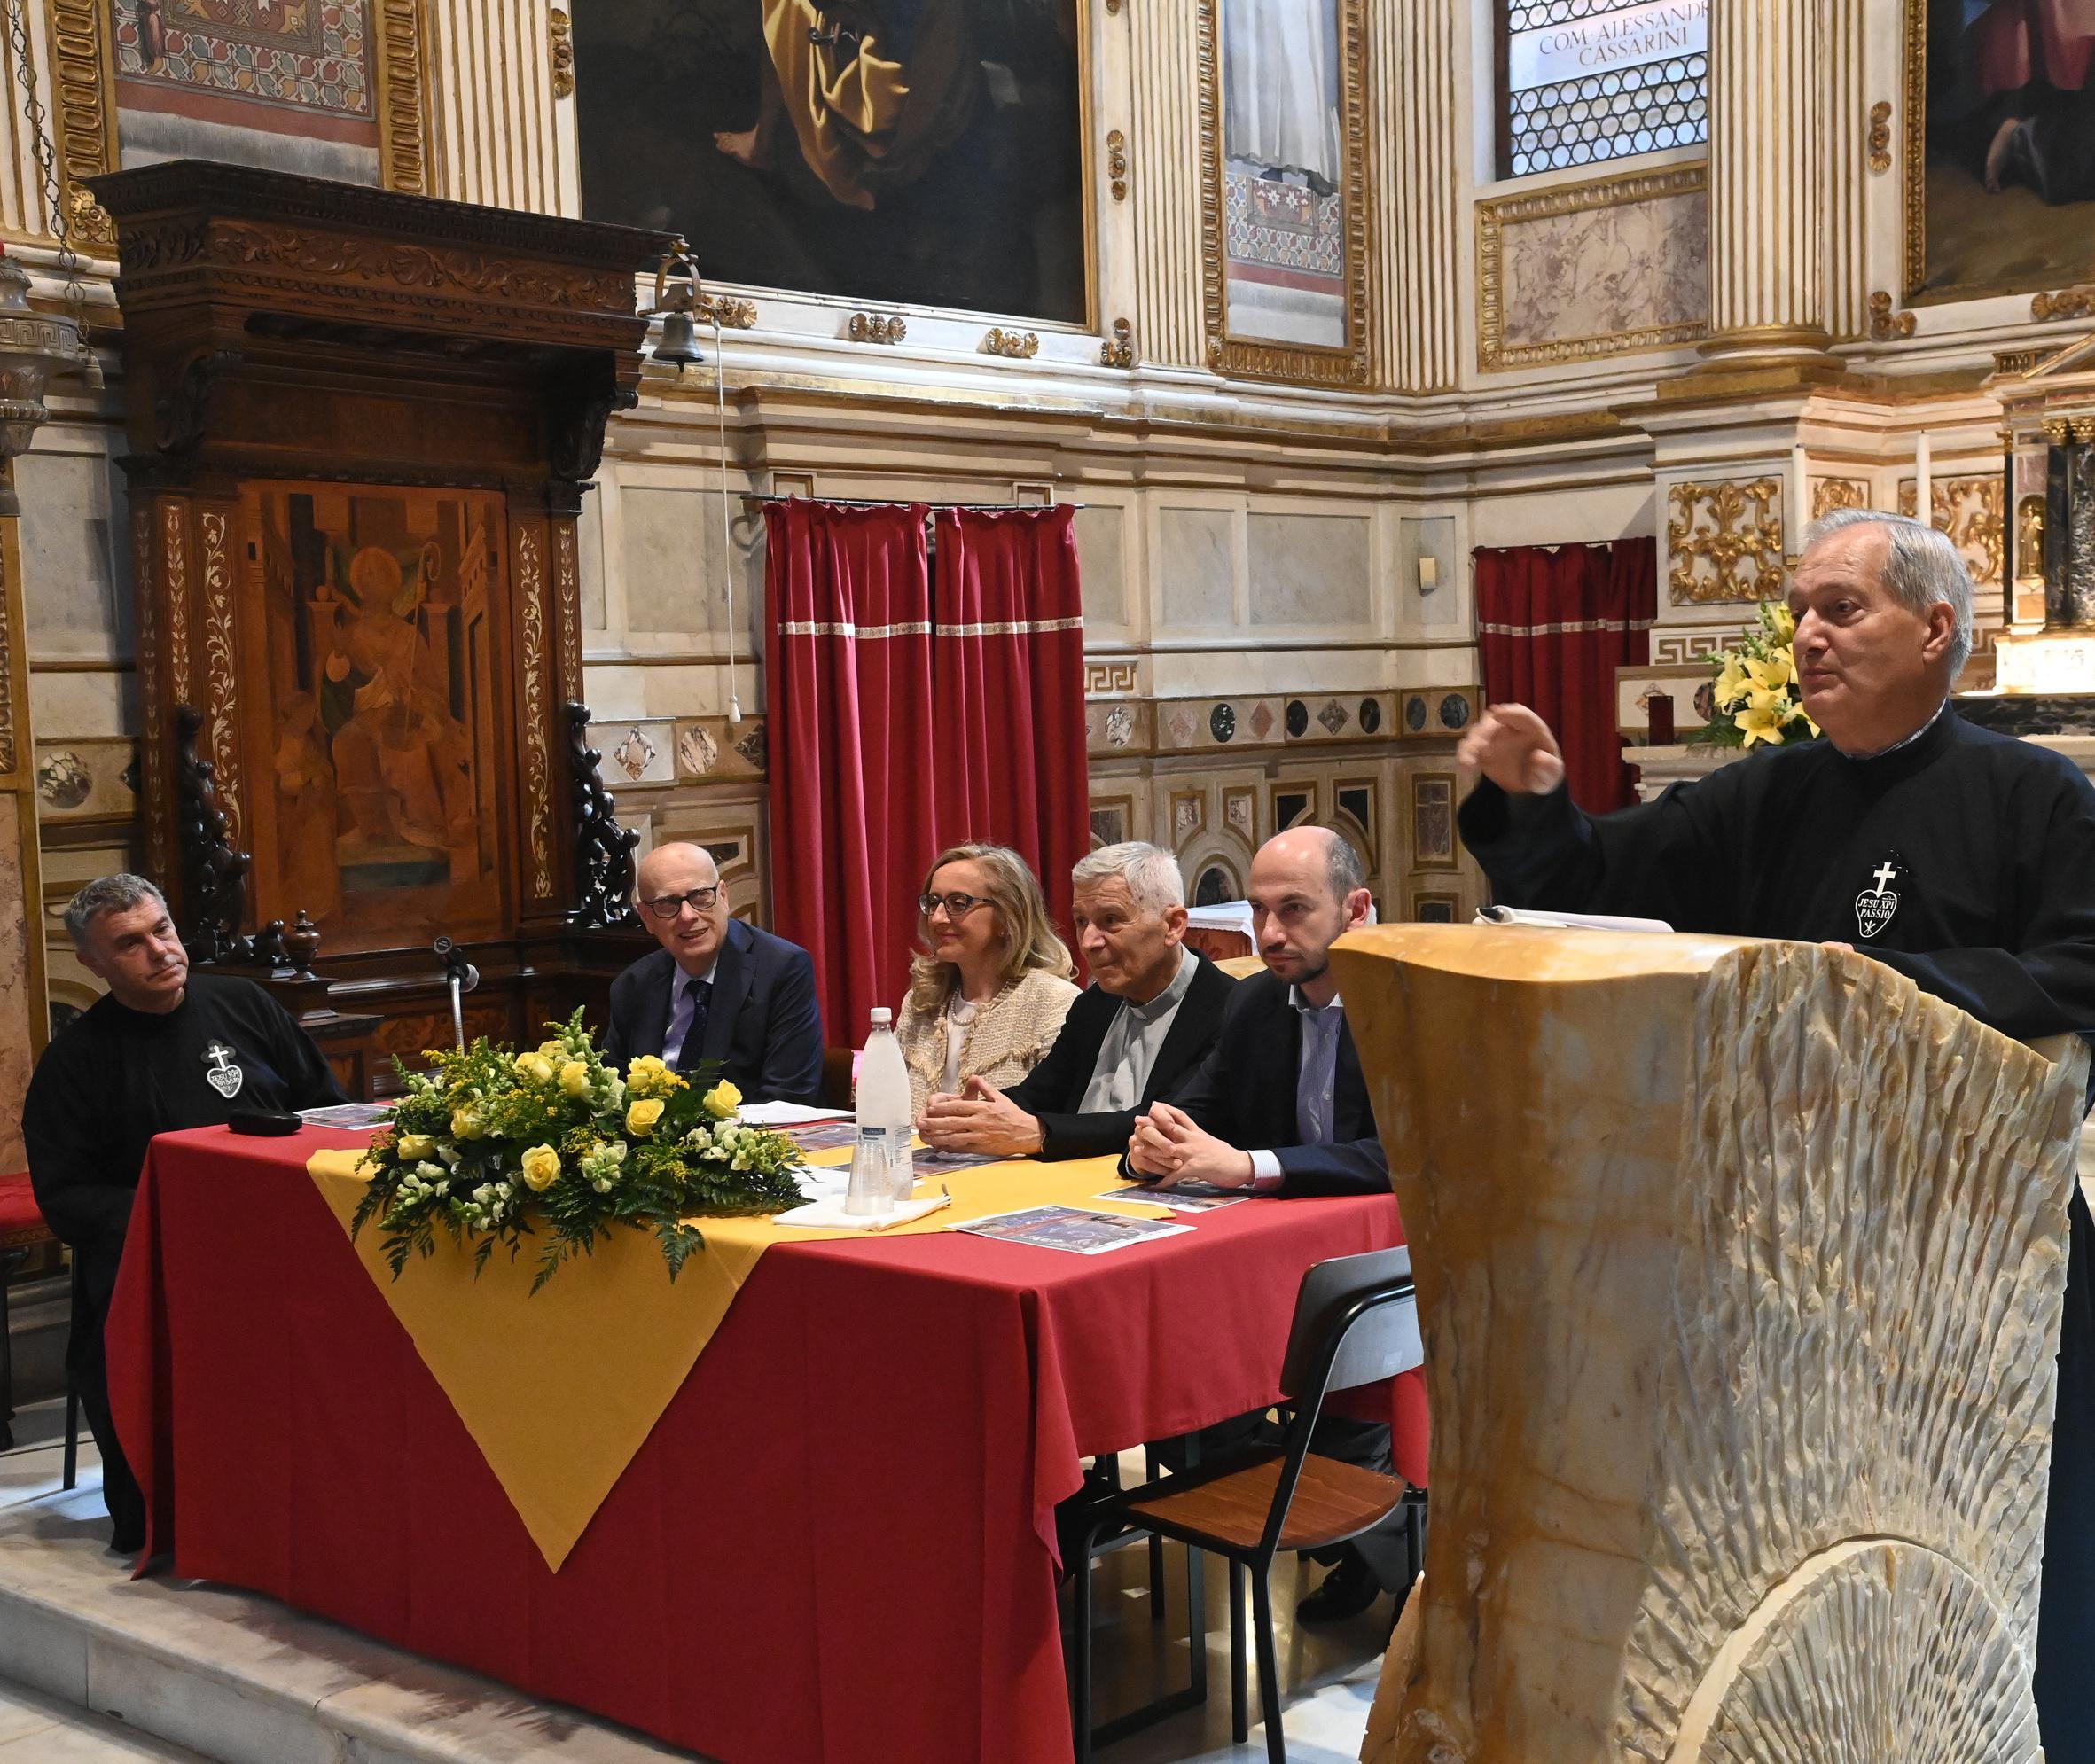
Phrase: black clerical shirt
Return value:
(116, 1077)
(1965, 859)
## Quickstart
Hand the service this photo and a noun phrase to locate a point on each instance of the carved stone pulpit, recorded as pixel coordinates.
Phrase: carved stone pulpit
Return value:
(1740, 1268)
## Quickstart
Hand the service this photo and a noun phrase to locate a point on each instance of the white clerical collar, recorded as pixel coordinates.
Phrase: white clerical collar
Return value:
(1906, 741)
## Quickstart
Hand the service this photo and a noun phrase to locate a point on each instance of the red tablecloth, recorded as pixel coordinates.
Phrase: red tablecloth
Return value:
(837, 1543)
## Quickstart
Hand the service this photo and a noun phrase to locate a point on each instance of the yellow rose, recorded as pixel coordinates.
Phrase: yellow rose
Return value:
(553, 1049)
(722, 1100)
(535, 1066)
(466, 1124)
(542, 1168)
(574, 1077)
(642, 1116)
(649, 1077)
(415, 1144)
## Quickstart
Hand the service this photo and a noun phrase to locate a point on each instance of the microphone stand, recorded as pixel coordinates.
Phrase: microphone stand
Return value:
(463, 978)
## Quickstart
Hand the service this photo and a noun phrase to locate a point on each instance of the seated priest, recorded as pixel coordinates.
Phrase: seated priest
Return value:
(1280, 1104)
(1964, 859)
(1280, 1107)
(165, 1049)
(717, 990)
(1145, 1023)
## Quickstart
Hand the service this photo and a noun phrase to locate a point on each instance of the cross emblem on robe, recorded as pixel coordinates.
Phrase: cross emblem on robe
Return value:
(1884, 872)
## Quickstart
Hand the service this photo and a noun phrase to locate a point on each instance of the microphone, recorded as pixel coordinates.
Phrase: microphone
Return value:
(456, 965)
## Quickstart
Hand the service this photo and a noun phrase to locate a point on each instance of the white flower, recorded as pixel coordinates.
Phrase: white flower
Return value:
(602, 1185)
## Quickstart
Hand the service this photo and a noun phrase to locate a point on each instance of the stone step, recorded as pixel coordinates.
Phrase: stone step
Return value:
(244, 1680)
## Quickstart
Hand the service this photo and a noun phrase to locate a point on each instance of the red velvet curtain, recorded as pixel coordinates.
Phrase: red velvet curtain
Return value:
(1553, 624)
(854, 809)
(1008, 667)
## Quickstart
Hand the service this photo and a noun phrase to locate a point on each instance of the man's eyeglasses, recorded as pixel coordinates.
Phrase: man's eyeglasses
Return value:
(667, 906)
(958, 905)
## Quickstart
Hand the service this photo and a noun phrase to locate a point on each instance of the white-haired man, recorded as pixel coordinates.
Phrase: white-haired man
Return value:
(165, 1049)
(1962, 858)
(1143, 1025)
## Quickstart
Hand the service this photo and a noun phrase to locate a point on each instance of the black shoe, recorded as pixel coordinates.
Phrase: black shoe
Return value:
(127, 1543)
(1348, 1590)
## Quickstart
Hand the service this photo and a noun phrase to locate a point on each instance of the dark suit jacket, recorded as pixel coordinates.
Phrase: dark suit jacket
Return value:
(1245, 1093)
(1054, 1090)
(764, 1025)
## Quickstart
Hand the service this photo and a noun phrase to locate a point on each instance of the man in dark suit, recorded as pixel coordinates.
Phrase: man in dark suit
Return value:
(1280, 1106)
(717, 990)
(1144, 1025)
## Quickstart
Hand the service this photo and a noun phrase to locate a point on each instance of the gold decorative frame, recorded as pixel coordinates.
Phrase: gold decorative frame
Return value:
(83, 78)
(1494, 217)
(1831, 494)
(1735, 529)
(1913, 122)
(1256, 358)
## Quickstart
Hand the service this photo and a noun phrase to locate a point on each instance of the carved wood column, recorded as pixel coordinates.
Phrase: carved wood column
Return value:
(1771, 86)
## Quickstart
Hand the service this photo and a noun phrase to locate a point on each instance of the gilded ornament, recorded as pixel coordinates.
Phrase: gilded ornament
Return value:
(1725, 542)
(1116, 163)
(2067, 303)
(2057, 432)
(1886, 326)
(875, 327)
(561, 33)
(538, 763)
(726, 311)
(222, 667)
(1829, 495)
(1881, 137)
(2029, 539)
(1018, 345)
(1118, 349)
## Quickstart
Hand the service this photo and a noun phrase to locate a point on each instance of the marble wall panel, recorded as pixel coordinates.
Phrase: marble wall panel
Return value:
(16, 1057)
(589, 536)
(1101, 559)
(1311, 569)
(76, 576)
(1197, 572)
(669, 587)
(1582, 271)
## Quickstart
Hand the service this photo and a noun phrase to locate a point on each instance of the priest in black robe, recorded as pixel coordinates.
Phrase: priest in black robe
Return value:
(1963, 858)
(165, 1049)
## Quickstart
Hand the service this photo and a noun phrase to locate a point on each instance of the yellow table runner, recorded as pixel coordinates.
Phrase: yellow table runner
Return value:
(559, 1389)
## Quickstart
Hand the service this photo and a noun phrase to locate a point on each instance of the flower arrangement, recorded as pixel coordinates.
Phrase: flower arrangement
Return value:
(1756, 694)
(492, 1146)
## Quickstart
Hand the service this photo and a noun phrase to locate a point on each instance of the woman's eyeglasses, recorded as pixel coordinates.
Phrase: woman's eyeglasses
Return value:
(667, 906)
(958, 905)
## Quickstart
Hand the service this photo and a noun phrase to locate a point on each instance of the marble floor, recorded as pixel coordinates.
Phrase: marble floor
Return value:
(216, 1661)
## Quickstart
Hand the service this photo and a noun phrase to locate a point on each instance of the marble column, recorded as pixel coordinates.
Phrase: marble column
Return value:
(1740, 1270)
(1164, 180)
(1771, 98)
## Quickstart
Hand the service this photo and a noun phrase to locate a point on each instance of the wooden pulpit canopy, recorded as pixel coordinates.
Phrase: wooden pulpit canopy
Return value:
(360, 427)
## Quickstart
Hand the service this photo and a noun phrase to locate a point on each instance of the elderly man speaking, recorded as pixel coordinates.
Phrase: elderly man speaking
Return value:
(1962, 858)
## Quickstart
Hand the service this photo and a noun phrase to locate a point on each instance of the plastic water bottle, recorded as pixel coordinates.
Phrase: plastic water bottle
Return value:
(884, 1103)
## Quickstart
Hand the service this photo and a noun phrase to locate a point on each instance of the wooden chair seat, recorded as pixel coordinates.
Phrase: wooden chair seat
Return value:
(1333, 1501)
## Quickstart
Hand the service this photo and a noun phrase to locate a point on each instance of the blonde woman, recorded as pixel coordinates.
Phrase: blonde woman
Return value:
(990, 987)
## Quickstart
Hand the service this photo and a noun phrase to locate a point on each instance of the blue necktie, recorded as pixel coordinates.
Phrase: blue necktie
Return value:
(687, 1022)
(1319, 1080)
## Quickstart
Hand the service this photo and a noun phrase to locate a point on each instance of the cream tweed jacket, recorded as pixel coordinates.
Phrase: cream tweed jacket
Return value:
(1012, 1035)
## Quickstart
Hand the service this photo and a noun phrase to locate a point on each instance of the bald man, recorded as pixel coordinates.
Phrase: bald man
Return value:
(1280, 1106)
(717, 990)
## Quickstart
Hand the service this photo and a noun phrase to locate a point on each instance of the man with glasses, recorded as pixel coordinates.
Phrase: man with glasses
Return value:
(717, 990)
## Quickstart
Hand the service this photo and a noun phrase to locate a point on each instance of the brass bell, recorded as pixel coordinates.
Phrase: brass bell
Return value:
(678, 345)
